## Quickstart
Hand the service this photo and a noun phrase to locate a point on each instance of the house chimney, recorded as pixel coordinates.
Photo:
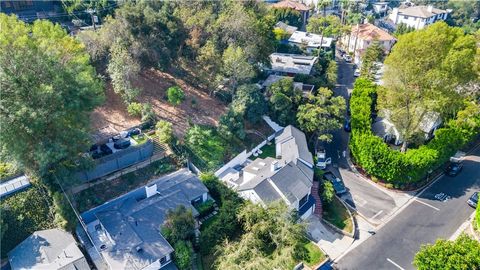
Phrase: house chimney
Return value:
(151, 190)
(429, 8)
(274, 166)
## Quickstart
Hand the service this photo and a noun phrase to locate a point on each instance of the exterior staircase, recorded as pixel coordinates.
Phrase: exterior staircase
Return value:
(318, 201)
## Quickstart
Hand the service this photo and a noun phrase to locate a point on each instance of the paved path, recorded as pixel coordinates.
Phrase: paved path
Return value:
(331, 242)
(422, 221)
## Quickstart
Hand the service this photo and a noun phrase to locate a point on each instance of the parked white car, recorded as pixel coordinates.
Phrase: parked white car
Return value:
(347, 58)
(322, 160)
(356, 73)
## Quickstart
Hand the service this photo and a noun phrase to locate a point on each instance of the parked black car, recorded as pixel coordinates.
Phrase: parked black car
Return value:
(453, 168)
(338, 185)
(347, 127)
(133, 131)
(122, 143)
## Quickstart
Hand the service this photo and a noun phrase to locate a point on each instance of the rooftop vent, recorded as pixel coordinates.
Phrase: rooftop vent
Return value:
(139, 249)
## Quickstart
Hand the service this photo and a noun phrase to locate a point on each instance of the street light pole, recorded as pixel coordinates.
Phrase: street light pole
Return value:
(91, 12)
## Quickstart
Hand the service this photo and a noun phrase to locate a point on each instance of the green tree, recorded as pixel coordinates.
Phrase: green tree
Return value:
(288, 16)
(206, 144)
(332, 73)
(322, 114)
(329, 26)
(183, 254)
(250, 102)
(48, 90)
(284, 100)
(123, 69)
(231, 125)
(148, 115)
(419, 80)
(179, 225)
(477, 216)
(164, 131)
(328, 192)
(403, 28)
(272, 239)
(462, 253)
(373, 54)
(236, 67)
(175, 95)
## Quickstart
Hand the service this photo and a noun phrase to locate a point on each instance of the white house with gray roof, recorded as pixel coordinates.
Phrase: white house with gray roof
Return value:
(291, 64)
(48, 250)
(127, 230)
(418, 17)
(287, 177)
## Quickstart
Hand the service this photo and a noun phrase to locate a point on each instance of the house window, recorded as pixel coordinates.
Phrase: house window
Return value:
(303, 201)
(163, 260)
(405, 17)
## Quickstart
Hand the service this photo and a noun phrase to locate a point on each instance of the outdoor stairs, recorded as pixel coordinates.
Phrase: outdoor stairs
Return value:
(158, 147)
(318, 202)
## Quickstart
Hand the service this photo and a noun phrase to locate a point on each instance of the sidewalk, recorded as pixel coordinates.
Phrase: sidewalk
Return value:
(332, 243)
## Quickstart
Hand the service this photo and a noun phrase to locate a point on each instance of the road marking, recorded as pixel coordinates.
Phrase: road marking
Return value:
(377, 214)
(392, 262)
(424, 203)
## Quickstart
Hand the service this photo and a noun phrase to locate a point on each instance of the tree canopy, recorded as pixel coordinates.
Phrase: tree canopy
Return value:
(419, 79)
(48, 90)
(272, 240)
(462, 253)
(284, 100)
(321, 114)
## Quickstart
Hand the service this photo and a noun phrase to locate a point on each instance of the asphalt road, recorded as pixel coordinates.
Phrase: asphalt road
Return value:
(369, 201)
(423, 221)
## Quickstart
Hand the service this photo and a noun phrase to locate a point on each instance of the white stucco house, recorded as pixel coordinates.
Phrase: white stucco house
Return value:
(288, 177)
(380, 7)
(309, 41)
(291, 64)
(418, 17)
(362, 36)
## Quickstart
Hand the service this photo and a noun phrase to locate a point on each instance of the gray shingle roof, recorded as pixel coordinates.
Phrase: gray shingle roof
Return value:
(294, 178)
(136, 224)
(48, 249)
(420, 11)
(293, 145)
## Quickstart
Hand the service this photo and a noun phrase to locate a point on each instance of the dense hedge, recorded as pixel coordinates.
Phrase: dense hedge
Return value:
(396, 168)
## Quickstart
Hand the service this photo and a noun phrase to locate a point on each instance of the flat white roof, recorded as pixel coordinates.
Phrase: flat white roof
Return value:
(292, 63)
(312, 40)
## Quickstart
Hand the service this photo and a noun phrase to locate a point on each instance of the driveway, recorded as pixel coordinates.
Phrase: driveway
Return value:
(370, 201)
(423, 220)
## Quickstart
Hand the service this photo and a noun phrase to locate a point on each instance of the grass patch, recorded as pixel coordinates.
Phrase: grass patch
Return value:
(101, 193)
(314, 254)
(268, 150)
(337, 214)
(140, 138)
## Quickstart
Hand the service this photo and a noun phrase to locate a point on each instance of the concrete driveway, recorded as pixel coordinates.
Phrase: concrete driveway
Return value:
(373, 203)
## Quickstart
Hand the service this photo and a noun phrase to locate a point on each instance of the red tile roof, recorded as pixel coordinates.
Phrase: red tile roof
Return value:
(369, 31)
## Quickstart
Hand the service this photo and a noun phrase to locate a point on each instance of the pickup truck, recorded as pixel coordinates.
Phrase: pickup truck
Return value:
(322, 160)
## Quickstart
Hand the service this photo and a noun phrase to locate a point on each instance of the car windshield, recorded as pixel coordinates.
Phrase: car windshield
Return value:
(475, 197)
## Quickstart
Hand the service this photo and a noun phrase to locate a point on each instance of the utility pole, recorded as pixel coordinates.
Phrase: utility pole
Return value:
(94, 18)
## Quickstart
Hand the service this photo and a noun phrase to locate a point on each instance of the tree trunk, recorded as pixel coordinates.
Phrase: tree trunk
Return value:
(404, 147)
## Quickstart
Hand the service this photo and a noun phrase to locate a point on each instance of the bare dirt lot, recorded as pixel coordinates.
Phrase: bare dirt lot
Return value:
(112, 116)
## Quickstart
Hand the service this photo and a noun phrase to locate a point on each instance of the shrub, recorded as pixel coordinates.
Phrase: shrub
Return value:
(134, 109)
(403, 169)
(205, 208)
(477, 216)
(164, 131)
(328, 192)
(183, 254)
(175, 95)
(148, 115)
(206, 144)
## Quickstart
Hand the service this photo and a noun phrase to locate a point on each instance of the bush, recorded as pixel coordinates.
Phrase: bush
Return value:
(183, 254)
(206, 144)
(394, 167)
(477, 216)
(328, 192)
(148, 115)
(205, 208)
(134, 109)
(164, 131)
(175, 95)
